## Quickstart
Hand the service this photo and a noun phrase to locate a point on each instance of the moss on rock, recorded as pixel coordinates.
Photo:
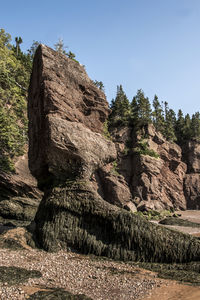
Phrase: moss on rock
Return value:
(15, 275)
(73, 216)
(178, 222)
(58, 294)
(188, 272)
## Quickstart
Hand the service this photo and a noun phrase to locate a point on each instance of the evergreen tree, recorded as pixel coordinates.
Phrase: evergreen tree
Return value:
(18, 41)
(158, 115)
(142, 108)
(99, 84)
(187, 127)
(170, 122)
(195, 125)
(120, 108)
(134, 115)
(71, 55)
(179, 128)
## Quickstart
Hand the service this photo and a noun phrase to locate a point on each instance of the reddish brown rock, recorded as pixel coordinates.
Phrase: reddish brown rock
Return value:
(66, 152)
(19, 195)
(115, 190)
(191, 152)
(155, 183)
(192, 156)
(60, 92)
(192, 191)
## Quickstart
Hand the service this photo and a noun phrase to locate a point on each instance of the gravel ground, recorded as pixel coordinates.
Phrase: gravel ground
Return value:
(78, 274)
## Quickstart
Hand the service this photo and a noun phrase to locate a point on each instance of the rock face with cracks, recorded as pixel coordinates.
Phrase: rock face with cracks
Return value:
(61, 92)
(159, 181)
(152, 168)
(72, 162)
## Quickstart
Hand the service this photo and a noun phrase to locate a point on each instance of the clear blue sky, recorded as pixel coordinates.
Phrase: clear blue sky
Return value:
(148, 44)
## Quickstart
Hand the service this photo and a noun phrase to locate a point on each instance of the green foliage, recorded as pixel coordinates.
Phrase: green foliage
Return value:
(153, 214)
(170, 123)
(120, 109)
(15, 68)
(179, 128)
(114, 169)
(139, 113)
(143, 149)
(195, 125)
(158, 115)
(178, 222)
(140, 109)
(106, 133)
(99, 84)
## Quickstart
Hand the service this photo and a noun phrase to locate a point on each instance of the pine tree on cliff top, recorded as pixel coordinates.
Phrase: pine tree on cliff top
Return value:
(120, 108)
(141, 109)
(187, 127)
(170, 122)
(195, 125)
(158, 115)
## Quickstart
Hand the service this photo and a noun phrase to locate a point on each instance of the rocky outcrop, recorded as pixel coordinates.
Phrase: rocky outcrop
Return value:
(159, 183)
(19, 195)
(61, 92)
(76, 167)
(114, 188)
(152, 167)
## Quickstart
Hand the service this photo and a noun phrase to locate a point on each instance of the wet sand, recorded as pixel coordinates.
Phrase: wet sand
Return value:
(175, 291)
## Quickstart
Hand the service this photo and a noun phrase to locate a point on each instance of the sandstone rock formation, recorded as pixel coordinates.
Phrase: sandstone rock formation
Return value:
(19, 195)
(74, 165)
(160, 180)
(61, 92)
(191, 153)
(66, 116)
(155, 178)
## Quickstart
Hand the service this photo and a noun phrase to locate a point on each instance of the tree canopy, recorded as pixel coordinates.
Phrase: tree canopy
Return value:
(139, 112)
(15, 67)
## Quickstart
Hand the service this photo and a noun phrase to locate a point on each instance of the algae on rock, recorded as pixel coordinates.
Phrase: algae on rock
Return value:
(73, 216)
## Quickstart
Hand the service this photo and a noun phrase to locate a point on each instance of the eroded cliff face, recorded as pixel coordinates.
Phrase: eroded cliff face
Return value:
(166, 176)
(155, 171)
(88, 180)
